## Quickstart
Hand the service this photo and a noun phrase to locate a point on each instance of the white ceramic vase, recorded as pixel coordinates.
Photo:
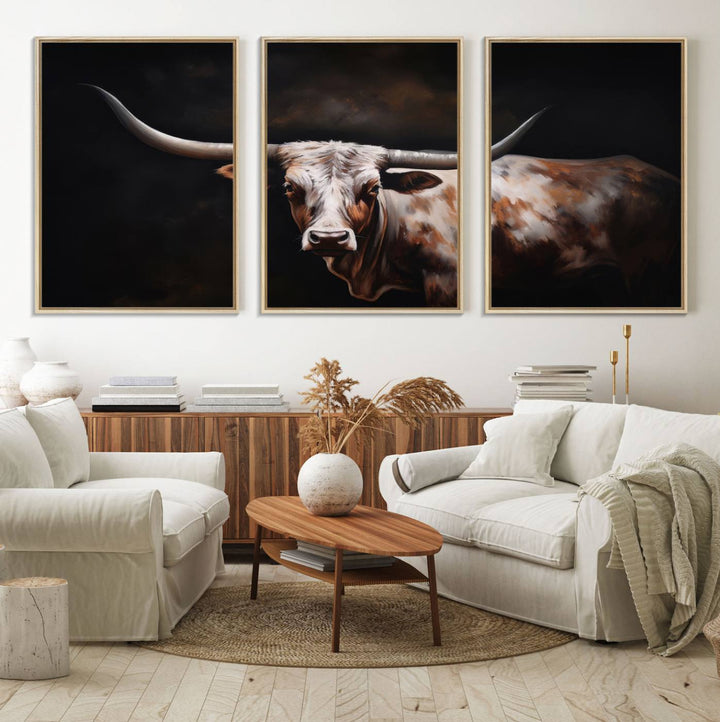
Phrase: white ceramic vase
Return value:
(49, 380)
(330, 484)
(16, 358)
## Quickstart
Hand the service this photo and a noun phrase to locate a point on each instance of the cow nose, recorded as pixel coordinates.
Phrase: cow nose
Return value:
(329, 237)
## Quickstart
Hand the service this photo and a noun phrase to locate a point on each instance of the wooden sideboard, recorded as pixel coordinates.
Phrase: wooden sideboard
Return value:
(262, 451)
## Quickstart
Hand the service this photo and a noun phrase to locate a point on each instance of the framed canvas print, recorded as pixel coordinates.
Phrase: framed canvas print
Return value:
(361, 180)
(585, 176)
(135, 197)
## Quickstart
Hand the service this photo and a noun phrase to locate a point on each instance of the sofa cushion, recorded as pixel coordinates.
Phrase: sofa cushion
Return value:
(419, 469)
(647, 428)
(183, 530)
(540, 529)
(591, 439)
(520, 447)
(211, 503)
(22, 461)
(453, 508)
(62, 434)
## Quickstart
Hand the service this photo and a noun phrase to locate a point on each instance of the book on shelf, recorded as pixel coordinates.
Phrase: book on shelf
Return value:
(240, 400)
(169, 408)
(329, 552)
(535, 380)
(143, 380)
(238, 408)
(240, 389)
(323, 564)
(554, 369)
(109, 390)
(138, 400)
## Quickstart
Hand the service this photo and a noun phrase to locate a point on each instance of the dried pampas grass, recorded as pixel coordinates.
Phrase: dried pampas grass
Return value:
(339, 415)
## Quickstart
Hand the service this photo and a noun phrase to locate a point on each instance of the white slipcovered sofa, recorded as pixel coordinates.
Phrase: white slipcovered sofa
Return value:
(138, 536)
(539, 553)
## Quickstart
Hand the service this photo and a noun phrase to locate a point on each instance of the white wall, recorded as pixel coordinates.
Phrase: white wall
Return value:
(675, 362)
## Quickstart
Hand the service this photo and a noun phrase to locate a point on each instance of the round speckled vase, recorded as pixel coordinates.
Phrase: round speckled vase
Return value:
(330, 484)
(49, 380)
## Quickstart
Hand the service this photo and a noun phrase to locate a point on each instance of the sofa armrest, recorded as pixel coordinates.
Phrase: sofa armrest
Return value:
(80, 520)
(206, 467)
(604, 602)
(403, 473)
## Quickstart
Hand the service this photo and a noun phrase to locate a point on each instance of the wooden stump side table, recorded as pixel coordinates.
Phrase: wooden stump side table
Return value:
(34, 628)
(364, 529)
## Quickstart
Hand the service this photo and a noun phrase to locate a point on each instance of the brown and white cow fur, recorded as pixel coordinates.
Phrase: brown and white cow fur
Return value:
(376, 229)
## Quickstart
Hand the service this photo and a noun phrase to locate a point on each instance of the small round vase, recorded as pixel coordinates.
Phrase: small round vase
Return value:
(330, 484)
(16, 358)
(49, 380)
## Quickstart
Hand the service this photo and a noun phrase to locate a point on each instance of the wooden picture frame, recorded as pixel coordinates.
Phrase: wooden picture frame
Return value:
(585, 175)
(381, 117)
(131, 218)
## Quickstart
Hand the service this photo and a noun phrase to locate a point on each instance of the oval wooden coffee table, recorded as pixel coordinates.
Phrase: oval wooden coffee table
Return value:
(372, 531)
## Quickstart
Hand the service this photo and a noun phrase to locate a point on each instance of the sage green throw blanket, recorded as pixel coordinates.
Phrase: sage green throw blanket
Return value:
(665, 512)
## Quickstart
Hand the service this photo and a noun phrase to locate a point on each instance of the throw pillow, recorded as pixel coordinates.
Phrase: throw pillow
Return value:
(22, 461)
(520, 447)
(61, 431)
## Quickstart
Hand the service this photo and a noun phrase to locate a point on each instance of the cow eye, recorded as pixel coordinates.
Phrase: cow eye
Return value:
(288, 187)
(373, 190)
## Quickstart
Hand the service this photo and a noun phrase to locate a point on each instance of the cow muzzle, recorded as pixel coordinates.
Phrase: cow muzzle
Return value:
(329, 243)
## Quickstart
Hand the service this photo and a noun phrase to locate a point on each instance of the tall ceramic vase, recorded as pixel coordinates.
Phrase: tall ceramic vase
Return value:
(49, 380)
(16, 358)
(330, 484)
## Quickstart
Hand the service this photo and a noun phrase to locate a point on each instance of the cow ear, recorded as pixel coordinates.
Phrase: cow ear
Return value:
(226, 171)
(410, 181)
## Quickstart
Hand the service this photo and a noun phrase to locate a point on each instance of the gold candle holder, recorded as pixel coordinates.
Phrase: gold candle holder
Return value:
(627, 331)
(613, 361)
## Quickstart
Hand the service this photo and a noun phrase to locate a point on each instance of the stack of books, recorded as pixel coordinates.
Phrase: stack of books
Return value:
(322, 558)
(240, 398)
(564, 382)
(140, 393)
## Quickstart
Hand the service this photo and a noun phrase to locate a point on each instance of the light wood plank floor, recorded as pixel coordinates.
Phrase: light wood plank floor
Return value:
(580, 681)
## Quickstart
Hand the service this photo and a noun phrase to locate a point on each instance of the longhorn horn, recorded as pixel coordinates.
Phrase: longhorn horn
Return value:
(421, 159)
(163, 141)
(508, 142)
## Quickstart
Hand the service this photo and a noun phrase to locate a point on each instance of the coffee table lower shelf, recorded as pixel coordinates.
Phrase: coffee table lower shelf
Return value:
(399, 573)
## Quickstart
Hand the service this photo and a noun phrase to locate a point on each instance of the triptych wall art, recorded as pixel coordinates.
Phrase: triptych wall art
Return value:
(361, 165)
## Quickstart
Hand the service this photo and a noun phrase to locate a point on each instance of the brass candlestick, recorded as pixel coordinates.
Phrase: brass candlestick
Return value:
(627, 331)
(613, 361)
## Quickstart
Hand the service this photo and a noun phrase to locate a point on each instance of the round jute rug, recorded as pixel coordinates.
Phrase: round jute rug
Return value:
(289, 625)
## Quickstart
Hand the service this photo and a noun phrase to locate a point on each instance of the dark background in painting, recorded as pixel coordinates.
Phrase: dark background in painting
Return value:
(605, 99)
(125, 225)
(399, 95)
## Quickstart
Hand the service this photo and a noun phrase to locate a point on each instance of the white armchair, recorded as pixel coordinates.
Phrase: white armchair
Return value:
(137, 536)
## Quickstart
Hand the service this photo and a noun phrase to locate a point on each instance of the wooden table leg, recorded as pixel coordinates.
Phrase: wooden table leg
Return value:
(256, 563)
(434, 611)
(337, 601)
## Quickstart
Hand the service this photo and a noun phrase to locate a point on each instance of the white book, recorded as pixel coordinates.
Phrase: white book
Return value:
(143, 380)
(138, 400)
(139, 390)
(234, 389)
(240, 399)
(213, 409)
(554, 368)
(329, 552)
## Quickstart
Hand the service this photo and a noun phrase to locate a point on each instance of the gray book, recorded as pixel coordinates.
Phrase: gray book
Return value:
(143, 380)
(214, 409)
(243, 389)
(240, 400)
(109, 390)
(137, 400)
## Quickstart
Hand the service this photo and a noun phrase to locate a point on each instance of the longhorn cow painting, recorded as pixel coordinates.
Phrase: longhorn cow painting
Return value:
(135, 192)
(361, 175)
(585, 176)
